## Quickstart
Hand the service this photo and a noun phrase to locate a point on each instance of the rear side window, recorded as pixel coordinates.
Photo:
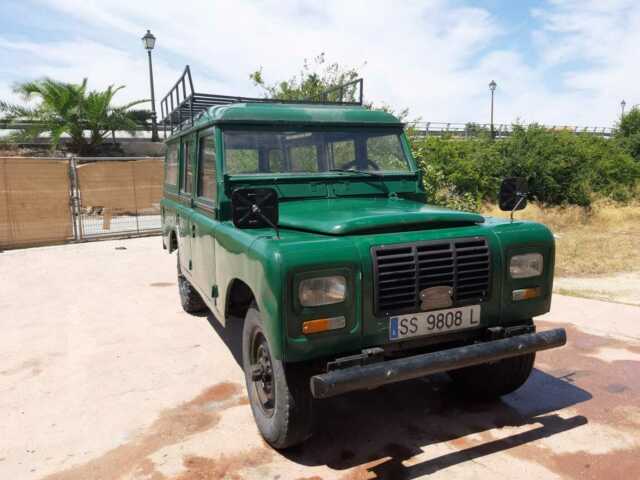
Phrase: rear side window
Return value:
(207, 168)
(187, 173)
(171, 168)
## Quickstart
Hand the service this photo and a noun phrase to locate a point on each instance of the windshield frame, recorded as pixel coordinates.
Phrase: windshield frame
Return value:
(279, 128)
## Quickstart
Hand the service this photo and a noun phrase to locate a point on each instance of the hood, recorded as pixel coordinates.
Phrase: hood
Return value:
(345, 216)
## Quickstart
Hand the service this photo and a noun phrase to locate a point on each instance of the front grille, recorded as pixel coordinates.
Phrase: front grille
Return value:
(402, 271)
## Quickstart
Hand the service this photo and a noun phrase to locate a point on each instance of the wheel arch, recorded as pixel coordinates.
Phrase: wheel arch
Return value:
(239, 298)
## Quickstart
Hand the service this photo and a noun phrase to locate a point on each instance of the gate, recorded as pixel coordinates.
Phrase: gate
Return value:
(45, 201)
(117, 197)
(34, 202)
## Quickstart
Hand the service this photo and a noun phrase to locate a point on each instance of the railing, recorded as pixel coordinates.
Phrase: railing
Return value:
(418, 128)
(25, 124)
(349, 88)
(423, 129)
(182, 105)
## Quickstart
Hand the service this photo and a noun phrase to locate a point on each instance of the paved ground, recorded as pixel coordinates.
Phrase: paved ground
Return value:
(103, 376)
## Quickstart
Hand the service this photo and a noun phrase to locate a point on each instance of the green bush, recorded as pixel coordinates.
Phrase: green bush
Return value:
(562, 167)
(628, 133)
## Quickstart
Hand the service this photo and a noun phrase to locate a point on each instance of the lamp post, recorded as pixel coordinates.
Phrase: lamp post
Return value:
(492, 87)
(622, 105)
(149, 41)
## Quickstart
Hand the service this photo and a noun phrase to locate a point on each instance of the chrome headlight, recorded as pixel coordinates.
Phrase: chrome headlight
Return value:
(314, 292)
(526, 266)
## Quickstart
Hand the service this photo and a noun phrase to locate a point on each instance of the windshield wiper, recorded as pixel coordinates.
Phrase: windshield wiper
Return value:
(360, 172)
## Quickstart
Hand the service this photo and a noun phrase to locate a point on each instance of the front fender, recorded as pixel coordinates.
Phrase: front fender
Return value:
(250, 256)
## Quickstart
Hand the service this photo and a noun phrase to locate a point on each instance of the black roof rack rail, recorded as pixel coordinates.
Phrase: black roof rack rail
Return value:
(182, 105)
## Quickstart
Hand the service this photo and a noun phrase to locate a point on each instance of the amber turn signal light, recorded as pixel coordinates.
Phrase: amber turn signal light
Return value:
(526, 293)
(323, 324)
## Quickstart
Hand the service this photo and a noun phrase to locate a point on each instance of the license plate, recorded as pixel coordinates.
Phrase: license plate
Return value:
(436, 321)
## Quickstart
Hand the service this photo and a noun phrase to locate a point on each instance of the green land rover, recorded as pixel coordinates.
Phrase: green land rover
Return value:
(306, 222)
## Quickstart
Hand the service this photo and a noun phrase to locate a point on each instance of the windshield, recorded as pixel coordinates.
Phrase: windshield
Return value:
(308, 151)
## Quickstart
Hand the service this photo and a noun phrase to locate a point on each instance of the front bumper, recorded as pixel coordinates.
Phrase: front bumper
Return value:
(374, 375)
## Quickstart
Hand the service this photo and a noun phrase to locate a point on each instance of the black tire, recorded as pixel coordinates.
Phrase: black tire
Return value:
(279, 395)
(493, 380)
(189, 298)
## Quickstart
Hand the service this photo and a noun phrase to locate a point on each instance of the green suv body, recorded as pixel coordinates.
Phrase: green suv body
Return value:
(356, 281)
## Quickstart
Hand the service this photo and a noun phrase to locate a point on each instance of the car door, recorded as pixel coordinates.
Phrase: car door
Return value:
(186, 200)
(204, 218)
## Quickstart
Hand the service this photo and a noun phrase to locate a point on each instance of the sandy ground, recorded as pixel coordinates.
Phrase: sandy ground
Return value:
(622, 287)
(102, 376)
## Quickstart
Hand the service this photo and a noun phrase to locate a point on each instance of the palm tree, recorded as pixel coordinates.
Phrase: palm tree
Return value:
(68, 109)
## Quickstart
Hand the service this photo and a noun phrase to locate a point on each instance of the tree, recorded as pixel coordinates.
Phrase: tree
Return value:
(315, 77)
(628, 132)
(68, 109)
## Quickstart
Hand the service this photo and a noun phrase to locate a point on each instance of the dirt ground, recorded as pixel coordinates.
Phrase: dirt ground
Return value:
(591, 246)
(589, 242)
(103, 376)
(620, 287)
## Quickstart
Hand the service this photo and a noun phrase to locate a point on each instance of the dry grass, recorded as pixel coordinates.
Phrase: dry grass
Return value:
(602, 240)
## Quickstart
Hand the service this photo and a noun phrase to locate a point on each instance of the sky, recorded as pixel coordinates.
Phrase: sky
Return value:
(567, 62)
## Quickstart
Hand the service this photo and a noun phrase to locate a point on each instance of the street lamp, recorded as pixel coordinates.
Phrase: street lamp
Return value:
(623, 104)
(492, 87)
(149, 41)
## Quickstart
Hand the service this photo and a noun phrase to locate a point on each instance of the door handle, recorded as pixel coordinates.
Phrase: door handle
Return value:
(193, 231)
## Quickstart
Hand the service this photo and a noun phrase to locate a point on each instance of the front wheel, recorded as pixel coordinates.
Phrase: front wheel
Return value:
(493, 380)
(279, 394)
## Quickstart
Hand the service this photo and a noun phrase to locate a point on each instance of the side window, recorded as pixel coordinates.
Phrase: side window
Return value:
(187, 173)
(207, 168)
(171, 164)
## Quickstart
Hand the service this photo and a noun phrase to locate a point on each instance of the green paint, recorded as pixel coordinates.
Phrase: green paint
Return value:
(346, 216)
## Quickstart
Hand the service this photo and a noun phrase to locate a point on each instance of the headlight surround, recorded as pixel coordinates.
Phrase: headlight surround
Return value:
(325, 290)
(526, 265)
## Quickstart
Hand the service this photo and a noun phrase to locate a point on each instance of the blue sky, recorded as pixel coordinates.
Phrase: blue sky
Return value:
(555, 61)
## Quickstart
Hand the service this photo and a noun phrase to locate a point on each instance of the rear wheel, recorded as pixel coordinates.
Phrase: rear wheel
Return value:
(493, 380)
(189, 298)
(279, 394)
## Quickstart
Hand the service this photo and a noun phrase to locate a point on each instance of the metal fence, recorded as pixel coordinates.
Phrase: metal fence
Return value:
(423, 129)
(47, 201)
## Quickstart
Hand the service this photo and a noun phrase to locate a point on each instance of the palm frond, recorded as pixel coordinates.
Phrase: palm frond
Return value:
(128, 106)
(71, 109)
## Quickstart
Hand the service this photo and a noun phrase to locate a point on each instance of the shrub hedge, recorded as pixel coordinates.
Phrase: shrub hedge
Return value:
(563, 168)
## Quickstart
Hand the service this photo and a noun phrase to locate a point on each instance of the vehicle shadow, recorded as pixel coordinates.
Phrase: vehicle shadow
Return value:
(230, 334)
(378, 430)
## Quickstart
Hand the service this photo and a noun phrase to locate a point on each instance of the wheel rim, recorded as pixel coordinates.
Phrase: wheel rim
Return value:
(262, 374)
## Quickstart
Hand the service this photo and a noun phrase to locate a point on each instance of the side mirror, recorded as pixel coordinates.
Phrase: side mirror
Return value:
(513, 194)
(255, 208)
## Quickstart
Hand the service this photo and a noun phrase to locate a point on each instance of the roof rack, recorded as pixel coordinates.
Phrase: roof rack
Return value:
(182, 105)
